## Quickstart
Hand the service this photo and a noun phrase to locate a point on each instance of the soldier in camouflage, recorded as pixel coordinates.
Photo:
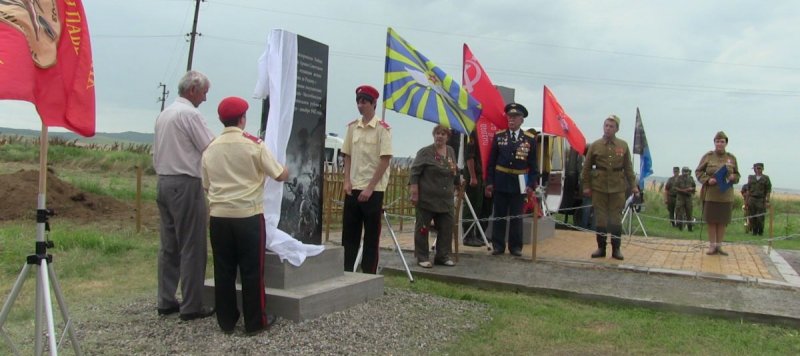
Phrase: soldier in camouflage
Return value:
(760, 189)
(670, 194)
(684, 188)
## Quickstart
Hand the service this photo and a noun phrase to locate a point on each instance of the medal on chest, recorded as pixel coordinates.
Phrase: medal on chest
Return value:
(523, 150)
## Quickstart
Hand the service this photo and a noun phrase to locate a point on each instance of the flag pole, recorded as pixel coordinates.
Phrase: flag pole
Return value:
(385, 75)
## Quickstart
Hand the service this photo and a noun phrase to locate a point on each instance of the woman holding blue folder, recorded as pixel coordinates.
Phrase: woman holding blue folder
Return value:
(717, 171)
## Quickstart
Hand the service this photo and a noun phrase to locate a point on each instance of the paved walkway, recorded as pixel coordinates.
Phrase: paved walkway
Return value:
(750, 284)
(684, 257)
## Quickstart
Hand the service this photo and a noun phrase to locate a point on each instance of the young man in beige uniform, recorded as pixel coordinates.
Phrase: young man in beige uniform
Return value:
(235, 168)
(368, 149)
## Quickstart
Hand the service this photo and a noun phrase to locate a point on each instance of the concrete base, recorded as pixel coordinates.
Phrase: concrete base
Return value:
(314, 300)
(319, 286)
(545, 229)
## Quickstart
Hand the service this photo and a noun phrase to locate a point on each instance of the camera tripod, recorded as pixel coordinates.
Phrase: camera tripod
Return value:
(45, 277)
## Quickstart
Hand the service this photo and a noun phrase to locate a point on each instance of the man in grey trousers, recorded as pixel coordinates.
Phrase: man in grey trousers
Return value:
(181, 135)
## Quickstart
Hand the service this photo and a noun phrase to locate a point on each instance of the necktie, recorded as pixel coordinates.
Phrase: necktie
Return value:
(513, 137)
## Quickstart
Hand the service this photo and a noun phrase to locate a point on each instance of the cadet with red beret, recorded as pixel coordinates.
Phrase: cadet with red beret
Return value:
(235, 167)
(368, 149)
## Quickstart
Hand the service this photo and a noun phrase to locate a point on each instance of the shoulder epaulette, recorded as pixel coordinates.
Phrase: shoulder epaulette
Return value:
(250, 137)
(500, 131)
(529, 134)
(709, 153)
(352, 122)
(384, 124)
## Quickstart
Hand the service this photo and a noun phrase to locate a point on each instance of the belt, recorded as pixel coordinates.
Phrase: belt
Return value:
(618, 169)
(511, 170)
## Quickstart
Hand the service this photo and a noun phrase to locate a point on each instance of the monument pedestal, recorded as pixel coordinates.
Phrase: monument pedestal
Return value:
(319, 286)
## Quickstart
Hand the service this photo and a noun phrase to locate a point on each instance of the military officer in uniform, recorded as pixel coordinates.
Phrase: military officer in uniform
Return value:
(760, 189)
(670, 194)
(511, 174)
(684, 188)
(607, 173)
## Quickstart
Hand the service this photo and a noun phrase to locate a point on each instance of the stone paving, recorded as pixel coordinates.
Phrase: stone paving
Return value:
(642, 253)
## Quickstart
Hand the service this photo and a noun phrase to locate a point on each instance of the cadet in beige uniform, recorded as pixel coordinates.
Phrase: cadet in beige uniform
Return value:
(607, 173)
(368, 149)
(717, 204)
(235, 168)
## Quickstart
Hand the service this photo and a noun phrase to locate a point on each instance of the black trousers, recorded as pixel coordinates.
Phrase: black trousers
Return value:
(507, 204)
(355, 217)
(238, 244)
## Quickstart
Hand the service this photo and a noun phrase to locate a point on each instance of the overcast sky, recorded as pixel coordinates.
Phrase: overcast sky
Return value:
(692, 67)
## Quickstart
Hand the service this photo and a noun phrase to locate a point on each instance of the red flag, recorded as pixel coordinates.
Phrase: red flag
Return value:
(477, 83)
(556, 122)
(48, 62)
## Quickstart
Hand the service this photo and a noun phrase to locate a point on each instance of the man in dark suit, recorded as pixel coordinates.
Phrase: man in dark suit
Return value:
(511, 175)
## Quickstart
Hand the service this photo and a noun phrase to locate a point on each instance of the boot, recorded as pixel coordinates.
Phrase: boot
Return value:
(616, 243)
(689, 227)
(616, 252)
(601, 246)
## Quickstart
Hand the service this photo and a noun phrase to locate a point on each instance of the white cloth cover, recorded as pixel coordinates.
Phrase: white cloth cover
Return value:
(277, 79)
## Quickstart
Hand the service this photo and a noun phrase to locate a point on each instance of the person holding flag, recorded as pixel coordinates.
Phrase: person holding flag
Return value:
(606, 175)
(511, 175)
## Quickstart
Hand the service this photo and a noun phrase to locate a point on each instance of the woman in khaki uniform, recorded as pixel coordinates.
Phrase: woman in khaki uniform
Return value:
(717, 203)
(433, 181)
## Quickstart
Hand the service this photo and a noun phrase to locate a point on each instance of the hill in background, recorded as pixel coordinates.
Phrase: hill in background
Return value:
(101, 138)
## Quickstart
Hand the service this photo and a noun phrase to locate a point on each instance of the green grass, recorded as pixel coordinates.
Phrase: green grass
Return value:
(539, 324)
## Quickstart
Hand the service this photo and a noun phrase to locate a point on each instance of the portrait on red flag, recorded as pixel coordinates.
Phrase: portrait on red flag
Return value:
(46, 59)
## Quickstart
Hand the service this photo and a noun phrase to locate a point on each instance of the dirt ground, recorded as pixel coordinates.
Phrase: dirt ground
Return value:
(19, 192)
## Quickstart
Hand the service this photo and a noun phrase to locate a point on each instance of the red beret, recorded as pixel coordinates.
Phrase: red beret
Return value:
(368, 91)
(232, 107)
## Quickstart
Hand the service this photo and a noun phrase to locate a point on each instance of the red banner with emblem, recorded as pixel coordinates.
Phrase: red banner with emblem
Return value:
(46, 59)
(556, 122)
(477, 83)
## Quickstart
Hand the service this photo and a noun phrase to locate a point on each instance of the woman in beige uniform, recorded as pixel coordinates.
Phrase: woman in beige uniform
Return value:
(717, 203)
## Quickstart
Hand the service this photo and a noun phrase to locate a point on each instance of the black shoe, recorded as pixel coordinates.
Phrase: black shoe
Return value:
(204, 312)
(271, 320)
(168, 311)
(516, 253)
(497, 253)
(616, 254)
(599, 253)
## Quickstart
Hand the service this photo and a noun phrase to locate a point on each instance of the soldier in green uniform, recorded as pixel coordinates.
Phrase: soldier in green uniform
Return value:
(684, 188)
(607, 173)
(760, 189)
(670, 194)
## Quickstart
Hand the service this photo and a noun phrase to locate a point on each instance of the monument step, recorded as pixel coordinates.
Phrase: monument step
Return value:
(328, 264)
(313, 300)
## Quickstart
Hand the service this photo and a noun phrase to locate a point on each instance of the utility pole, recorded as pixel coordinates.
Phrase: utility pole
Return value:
(164, 94)
(193, 34)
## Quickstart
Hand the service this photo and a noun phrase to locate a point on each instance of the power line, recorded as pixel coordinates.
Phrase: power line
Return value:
(531, 43)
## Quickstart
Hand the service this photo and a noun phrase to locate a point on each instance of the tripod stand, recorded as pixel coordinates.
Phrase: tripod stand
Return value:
(396, 245)
(628, 213)
(45, 276)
